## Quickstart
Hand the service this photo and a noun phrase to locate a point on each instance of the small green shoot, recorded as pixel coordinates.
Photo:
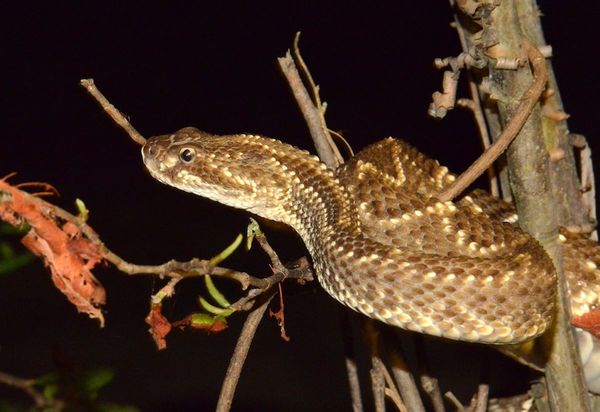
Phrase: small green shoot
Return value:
(221, 310)
(215, 293)
(252, 231)
(214, 309)
(227, 251)
(83, 211)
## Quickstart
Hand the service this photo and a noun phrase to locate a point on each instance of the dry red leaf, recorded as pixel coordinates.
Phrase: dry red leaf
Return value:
(219, 325)
(589, 321)
(280, 316)
(68, 254)
(159, 326)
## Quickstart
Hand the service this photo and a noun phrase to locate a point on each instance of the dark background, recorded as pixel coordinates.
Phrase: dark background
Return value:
(213, 66)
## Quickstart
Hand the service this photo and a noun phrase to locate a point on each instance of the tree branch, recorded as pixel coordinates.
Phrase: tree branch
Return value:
(313, 112)
(239, 356)
(112, 111)
(528, 101)
(28, 386)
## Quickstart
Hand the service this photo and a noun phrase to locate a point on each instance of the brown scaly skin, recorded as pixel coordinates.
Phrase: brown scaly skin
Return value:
(380, 242)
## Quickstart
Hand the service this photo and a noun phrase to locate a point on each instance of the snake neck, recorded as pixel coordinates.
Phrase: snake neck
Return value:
(332, 210)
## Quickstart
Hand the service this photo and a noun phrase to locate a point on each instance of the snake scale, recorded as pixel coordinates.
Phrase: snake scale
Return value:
(381, 243)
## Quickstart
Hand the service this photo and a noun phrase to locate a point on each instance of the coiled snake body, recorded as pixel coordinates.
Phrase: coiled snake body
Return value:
(381, 243)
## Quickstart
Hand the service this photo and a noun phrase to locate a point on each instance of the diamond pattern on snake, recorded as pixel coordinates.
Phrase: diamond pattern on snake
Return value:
(380, 241)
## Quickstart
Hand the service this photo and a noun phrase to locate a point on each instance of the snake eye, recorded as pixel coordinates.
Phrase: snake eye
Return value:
(187, 155)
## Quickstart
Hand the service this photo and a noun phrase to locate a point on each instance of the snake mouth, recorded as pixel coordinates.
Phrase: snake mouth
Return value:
(152, 155)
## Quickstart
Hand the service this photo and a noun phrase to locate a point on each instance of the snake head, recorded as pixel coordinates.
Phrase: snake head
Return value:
(235, 170)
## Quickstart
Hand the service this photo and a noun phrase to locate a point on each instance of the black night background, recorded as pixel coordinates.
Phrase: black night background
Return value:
(213, 65)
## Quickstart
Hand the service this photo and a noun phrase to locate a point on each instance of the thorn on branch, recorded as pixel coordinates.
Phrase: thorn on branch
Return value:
(556, 154)
(556, 115)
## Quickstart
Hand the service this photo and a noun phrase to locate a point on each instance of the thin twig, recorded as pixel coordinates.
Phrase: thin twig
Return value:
(378, 384)
(403, 376)
(475, 107)
(350, 357)
(429, 383)
(275, 261)
(112, 111)
(320, 106)
(371, 334)
(166, 291)
(454, 400)
(173, 269)
(240, 353)
(528, 102)
(481, 398)
(390, 390)
(192, 268)
(311, 113)
(27, 386)
(249, 329)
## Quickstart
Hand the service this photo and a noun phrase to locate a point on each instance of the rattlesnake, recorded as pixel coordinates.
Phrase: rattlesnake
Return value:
(381, 243)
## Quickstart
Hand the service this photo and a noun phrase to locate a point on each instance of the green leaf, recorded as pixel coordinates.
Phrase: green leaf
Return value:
(215, 293)
(214, 309)
(94, 380)
(227, 251)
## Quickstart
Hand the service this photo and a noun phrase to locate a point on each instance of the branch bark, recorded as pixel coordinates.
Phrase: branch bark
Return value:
(240, 353)
(540, 201)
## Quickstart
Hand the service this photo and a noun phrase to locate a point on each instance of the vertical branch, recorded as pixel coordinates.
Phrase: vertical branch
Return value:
(563, 170)
(528, 161)
(542, 171)
(403, 376)
(239, 356)
(313, 115)
(377, 378)
(351, 367)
